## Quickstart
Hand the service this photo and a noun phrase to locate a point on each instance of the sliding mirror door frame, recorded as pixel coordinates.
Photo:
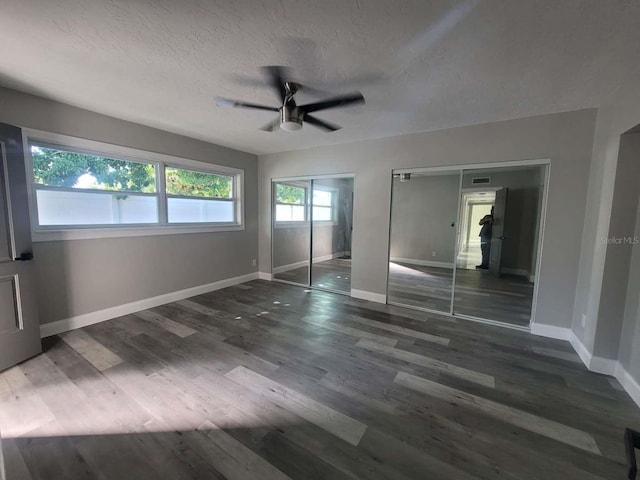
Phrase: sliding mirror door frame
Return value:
(545, 164)
(308, 224)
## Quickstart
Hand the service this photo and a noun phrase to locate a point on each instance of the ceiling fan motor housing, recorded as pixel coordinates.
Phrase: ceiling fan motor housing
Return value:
(290, 118)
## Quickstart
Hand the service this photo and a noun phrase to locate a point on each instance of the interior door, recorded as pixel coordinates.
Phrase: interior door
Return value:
(19, 325)
(497, 232)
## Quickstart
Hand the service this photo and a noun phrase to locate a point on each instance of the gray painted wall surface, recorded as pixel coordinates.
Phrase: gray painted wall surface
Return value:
(618, 256)
(565, 138)
(615, 117)
(629, 352)
(83, 276)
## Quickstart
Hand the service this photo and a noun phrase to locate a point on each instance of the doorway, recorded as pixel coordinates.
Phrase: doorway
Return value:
(312, 224)
(464, 249)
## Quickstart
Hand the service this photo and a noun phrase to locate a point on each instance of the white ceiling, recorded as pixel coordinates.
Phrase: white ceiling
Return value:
(421, 65)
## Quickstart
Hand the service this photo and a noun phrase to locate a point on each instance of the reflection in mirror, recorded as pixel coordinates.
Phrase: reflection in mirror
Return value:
(291, 232)
(332, 215)
(424, 210)
(500, 211)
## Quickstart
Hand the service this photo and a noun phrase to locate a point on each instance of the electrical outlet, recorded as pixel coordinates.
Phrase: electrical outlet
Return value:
(254, 262)
(584, 320)
(433, 254)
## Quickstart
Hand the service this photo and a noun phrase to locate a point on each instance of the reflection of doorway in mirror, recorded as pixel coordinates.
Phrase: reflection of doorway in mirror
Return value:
(474, 206)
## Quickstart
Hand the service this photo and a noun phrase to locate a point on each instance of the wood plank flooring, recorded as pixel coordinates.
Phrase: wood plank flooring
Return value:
(271, 381)
(479, 294)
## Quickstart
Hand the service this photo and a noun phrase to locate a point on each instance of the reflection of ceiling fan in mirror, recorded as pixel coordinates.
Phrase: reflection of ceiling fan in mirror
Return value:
(292, 116)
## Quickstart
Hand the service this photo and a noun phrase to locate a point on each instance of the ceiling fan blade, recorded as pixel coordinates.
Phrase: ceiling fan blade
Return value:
(228, 102)
(272, 126)
(276, 76)
(341, 101)
(316, 122)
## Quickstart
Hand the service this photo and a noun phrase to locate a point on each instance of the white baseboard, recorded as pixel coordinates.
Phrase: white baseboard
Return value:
(628, 383)
(372, 297)
(605, 366)
(265, 276)
(582, 351)
(424, 263)
(551, 331)
(80, 321)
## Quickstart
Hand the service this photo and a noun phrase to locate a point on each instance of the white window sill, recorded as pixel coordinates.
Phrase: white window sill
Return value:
(118, 232)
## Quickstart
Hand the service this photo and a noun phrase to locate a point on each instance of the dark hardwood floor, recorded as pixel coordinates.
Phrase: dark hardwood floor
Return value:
(479, 294)
(270, 381)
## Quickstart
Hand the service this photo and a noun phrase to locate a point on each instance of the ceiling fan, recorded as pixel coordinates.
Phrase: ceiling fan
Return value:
(291, 115)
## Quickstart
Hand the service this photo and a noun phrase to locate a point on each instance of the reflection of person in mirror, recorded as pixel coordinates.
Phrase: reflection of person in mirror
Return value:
(485, 239)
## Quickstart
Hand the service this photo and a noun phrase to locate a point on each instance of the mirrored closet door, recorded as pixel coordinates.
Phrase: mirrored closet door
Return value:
(311, 232)
(466, 242)
(424, 211)
(291, 235)
(331, 219)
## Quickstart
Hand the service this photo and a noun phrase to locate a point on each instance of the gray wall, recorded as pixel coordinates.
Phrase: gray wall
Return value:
(620, 298)
(629, 350)
(83, 276)
(616, 116)
(618, 255)
(422, 212)
(565, 138)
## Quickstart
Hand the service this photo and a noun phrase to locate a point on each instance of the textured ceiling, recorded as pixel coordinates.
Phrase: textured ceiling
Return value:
(421, 65)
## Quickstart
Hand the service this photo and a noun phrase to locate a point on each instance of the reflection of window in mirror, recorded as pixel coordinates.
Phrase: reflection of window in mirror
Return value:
(290, 203)
(324, 204)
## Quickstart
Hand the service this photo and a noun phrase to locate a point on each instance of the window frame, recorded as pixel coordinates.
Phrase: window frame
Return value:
(41, 233)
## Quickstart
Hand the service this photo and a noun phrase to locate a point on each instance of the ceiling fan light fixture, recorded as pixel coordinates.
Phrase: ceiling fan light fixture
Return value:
(290, 126)
(290, 119)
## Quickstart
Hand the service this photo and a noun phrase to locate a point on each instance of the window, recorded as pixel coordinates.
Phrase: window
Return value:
(291, 203)
(74, 189)
(77, 187)
(323, 205)
(197, 197)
